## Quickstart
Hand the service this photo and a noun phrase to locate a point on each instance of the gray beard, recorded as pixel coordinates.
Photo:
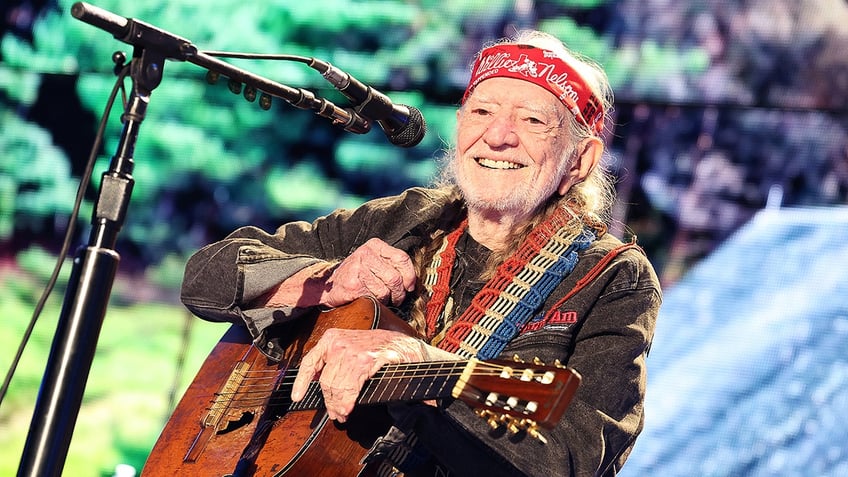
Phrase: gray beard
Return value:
(519, 202)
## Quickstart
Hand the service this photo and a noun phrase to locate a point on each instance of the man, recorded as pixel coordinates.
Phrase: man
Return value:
(510, 256)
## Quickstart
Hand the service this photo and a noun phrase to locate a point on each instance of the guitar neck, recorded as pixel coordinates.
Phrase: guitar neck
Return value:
(399, 383)
(413, 382)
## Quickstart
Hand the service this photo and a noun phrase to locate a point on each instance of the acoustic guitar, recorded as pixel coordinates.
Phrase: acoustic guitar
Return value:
(236, 418)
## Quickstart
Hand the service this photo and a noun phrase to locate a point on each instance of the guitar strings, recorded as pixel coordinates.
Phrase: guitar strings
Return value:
(273, 387)
(256, 386)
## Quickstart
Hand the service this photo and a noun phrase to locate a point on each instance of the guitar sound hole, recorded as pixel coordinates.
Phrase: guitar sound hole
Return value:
(245, 419)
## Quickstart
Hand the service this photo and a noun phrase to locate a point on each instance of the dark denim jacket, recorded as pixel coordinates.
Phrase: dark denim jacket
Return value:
(606, 339)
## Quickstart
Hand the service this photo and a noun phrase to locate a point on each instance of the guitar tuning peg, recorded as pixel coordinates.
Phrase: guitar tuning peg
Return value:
(234, 86)
(494, 422)
(533, 431)
(490, 417)
(513, 426)
(558, 364)
(538, 362)
(517, 358)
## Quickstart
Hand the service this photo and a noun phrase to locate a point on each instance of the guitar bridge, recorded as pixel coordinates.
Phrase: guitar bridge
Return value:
(221, 411)
(222, 417)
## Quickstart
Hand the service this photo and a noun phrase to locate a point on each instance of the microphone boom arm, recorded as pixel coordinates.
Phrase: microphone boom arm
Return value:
(298, 97)
(173, 47)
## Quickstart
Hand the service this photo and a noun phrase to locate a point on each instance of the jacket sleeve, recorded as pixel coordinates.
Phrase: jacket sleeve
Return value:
(611, 346)
(222, 279)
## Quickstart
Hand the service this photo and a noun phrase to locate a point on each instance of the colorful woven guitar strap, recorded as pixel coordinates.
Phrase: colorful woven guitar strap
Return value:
(511, 297)
(497, 313)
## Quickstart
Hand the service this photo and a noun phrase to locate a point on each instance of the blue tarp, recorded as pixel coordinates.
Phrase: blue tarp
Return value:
(748, 375)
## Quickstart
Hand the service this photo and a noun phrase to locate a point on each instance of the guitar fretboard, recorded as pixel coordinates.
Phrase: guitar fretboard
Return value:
(396, 383)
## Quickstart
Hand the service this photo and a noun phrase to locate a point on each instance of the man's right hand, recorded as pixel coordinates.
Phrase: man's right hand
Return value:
(375, 268)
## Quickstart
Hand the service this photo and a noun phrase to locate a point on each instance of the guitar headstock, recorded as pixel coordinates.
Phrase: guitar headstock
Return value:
(518, 395)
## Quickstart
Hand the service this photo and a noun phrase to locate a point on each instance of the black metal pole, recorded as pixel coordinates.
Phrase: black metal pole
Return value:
(89, 288)
(95, 265)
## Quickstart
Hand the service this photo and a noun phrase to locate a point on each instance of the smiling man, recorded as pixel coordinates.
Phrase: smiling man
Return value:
(507, 255)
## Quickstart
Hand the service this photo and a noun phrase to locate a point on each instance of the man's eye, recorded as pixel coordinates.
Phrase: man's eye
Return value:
(535, 125)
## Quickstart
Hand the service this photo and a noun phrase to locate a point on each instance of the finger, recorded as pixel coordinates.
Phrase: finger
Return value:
(311, 364)
(342, 379)
(389, 265)
(389, 282)
(405, 270)
(340, 395)
(339, 402)
(348, 282)
(400, 261)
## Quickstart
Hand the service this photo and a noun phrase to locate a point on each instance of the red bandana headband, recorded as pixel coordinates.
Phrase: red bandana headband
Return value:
(544, 68)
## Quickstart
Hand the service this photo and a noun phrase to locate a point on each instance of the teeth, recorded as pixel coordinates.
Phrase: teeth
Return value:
(497, 164)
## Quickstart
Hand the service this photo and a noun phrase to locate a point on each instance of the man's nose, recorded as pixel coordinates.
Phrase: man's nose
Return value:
(501, 131)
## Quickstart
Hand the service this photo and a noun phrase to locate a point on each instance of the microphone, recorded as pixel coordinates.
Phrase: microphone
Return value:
(403, 125)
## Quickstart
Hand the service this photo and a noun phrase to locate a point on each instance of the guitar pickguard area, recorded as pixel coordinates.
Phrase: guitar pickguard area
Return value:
(222, 415)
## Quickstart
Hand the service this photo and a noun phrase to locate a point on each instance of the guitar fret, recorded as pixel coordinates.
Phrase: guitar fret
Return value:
(391, 380)
(401, 382)
(414, 378)
(445, 379)
(411, 382)
(376, 388)
(417, 393)
(407, 382)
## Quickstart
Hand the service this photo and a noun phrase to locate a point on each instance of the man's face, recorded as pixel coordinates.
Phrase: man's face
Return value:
(512, 148)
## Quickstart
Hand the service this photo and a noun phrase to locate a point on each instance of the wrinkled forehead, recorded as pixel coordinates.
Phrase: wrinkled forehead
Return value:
(516, 94)
(545, 69)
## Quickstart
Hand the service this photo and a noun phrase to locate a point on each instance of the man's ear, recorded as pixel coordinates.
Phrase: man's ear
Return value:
(587, 156)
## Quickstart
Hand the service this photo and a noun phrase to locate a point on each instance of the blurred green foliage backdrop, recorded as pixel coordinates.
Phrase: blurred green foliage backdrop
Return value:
(722, 106)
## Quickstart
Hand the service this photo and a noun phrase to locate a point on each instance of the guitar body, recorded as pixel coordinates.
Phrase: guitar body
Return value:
(237, 418)
(249, 441)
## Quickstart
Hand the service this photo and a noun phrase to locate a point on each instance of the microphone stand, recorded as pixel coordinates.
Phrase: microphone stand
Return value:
(95, 265)
(90, 285)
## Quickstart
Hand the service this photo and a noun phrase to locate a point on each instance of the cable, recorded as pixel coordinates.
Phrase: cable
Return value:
(258, 56)
(85, 179)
